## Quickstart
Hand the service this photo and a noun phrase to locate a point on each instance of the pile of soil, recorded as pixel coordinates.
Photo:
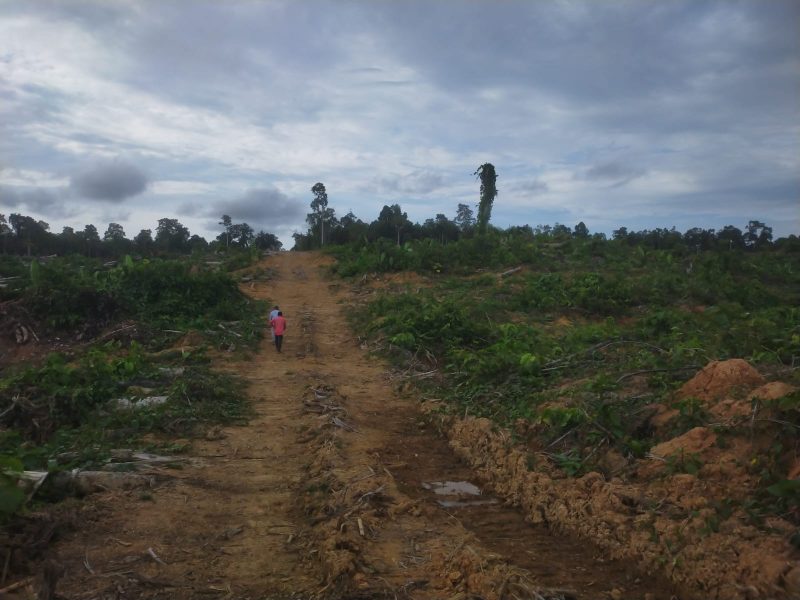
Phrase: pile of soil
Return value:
(665, 519)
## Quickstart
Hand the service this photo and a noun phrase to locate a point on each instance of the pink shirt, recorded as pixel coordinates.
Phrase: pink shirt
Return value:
(278, 325)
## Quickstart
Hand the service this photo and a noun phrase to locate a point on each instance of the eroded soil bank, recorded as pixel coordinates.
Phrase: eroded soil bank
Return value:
(321, 495)
(664, 520)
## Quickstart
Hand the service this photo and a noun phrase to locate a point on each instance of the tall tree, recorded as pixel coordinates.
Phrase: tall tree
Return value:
(488, 177)
(227, 223)
(114, 241)
(91, 239)
(320, 214)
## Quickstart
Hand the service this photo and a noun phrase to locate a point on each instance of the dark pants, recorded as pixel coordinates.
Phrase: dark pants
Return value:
(278, 342)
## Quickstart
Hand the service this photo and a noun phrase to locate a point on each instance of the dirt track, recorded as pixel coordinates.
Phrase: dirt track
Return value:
(322, 495)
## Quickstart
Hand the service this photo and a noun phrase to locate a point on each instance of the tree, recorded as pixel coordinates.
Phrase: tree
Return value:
(620, 234)
(5, 231)
(29, 233)
(143, 242)
(91, 239)
(227, 223)
(351, 229)
(171, 235)
(391, 222)
(267, 241)
(698, 239)
(320, 214)
(114, 241)
(581, 231)
(241, 234)
(488, 177)
(464, 218)
(197, 243)
(440, 229)
(561, 232)
(757, 235)
(114, 232)
(68, 241)
(732, 235)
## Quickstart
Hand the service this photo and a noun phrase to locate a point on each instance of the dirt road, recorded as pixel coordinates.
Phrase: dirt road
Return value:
(335, 489)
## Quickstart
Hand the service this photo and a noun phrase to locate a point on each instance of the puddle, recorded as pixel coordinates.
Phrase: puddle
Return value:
(452, 488)
(462, 494)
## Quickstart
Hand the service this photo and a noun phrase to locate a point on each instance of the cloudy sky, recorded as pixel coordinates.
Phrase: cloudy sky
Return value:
(640, 113)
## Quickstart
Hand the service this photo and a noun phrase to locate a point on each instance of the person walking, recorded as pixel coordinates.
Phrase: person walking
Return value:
(272, 314)
(278, 329)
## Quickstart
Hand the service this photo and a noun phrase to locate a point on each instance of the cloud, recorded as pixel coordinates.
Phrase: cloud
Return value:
(417, 182)
(260, 208)
(532, 187)
(209, 100)
(111, 181)
(49, 202)
(615, 174)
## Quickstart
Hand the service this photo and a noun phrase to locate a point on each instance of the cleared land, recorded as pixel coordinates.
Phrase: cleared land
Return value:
(331, 490)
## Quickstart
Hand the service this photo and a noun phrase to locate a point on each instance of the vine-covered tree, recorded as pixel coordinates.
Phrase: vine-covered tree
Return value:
(486, 173)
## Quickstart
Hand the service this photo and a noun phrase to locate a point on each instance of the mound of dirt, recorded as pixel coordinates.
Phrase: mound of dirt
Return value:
(668, 510)
(654, 519)
(693, 441)
(726, 389)
(721, 379)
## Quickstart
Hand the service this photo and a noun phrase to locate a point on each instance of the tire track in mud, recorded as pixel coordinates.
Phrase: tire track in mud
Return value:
(320, 495)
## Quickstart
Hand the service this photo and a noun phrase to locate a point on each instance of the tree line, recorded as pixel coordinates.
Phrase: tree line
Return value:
(24, 235)
(393, 224)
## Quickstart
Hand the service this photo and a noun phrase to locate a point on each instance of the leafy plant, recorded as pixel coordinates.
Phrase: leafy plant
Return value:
(11, 496)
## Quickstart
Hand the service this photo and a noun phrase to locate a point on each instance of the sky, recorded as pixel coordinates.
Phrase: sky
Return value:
(639, 113)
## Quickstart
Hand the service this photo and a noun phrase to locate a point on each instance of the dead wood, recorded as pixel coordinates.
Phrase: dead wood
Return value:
(152, 554)
(346, 426)
(510, 272)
